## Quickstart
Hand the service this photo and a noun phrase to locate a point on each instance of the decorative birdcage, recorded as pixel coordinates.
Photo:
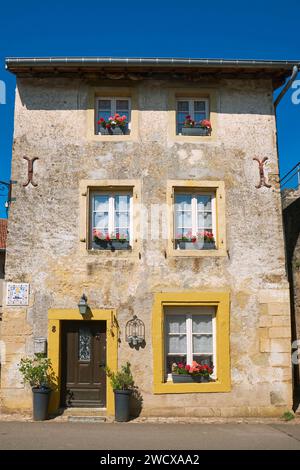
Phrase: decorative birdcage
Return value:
(135, 332)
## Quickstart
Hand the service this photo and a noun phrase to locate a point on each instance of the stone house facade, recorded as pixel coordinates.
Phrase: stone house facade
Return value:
(201, 258)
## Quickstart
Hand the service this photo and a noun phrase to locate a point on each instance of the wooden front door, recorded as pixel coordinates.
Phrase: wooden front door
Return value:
(83, 357)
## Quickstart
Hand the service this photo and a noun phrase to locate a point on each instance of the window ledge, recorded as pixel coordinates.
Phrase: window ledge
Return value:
(209, 387)
(114, 254)
(197, 253)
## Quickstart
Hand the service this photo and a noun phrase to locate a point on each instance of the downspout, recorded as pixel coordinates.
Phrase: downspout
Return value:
(287, 86)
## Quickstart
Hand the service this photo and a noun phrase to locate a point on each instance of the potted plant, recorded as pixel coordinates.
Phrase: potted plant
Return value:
(191, 127)
(111, 242)
(206, 240)
(123, 385)
(185, 241)
(114, 125)
(185, 373)
(38, 373)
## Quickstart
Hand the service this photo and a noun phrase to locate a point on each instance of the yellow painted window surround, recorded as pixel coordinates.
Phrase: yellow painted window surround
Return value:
(217, 189)
(219, 300)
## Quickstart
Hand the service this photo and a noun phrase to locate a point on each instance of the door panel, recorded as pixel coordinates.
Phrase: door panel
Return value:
(83, 361)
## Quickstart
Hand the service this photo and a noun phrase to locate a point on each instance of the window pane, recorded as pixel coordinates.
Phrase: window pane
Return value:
(204, 202)
(175, 323)
(101, 203)
(122, 105)
(121, 220)
(104, 105)
(204, 220)
(202, 324)
(204, 359)
(183, 202)
(122, 202)
(199, 106)
(84, 346)
(183, 106)
(181, 117)
(202, 344)
(176, 344)
(100, 220)
(199, 116)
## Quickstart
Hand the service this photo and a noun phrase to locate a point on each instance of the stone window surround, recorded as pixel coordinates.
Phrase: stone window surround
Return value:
(192, 92)
(85, 188)
(191, 298)
(116, 92)
(219, 188)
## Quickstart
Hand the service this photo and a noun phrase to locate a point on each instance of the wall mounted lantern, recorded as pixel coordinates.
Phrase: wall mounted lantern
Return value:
(83, 305)
(135, 332)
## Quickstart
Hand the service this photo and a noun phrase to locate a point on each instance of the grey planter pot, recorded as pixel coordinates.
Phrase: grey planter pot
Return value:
(113, 131)
(41, 398)
(195, 246)
(182, 378)
(195, 131)
(122, 405)
(111, 245)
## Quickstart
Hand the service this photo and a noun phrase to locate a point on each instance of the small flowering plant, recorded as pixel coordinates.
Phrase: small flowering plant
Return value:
(100, 237)
(194, 370)
(206, 236)
(113, 121)
(188, 237)
(204, 123)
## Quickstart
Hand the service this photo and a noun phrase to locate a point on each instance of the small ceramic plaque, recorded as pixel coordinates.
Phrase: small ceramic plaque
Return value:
(17, 293)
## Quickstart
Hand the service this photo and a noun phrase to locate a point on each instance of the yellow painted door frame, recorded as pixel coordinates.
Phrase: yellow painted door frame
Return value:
(55, 317)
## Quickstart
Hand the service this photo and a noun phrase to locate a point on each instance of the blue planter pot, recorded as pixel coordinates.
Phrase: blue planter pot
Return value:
(41, 398)
(122, 405)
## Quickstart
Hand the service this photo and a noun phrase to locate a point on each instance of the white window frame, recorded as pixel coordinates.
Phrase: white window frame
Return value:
(113, 111)
(189, 340)
(194, 210)
(191, 111)
(111, 210)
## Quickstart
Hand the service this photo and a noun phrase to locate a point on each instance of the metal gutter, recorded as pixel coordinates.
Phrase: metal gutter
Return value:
(15, 62)
(287, 85)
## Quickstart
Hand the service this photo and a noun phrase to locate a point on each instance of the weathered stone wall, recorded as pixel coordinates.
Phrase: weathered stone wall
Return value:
(44, 247)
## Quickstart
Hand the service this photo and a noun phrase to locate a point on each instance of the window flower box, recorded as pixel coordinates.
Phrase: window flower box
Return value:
(188, 378)
(203, 241)
(198, 373)
(113, 131)
(111, 243)
(194, 131)
(191, 127)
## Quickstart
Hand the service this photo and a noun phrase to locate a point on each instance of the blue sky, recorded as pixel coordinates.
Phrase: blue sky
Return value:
(213, 29)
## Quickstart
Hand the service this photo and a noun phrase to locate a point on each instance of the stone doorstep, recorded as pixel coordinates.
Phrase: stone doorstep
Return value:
(82, 415)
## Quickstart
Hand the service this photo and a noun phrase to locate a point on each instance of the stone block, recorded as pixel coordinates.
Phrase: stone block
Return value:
(281, 320)
(280, 345)
(280, 359)
(279, 308)
(265, 321)
(264, 345)
(266, 296)
(279, 332)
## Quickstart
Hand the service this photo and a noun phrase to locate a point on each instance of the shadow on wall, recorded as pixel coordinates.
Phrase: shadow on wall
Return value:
(136, 403)
(65, 94)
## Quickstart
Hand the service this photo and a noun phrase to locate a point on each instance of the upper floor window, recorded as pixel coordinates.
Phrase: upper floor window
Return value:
(113, 115)
(111, 220)
(192, 117)
(195, 220)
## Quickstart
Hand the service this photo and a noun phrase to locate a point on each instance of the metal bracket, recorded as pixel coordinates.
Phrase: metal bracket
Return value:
(262, 178)
(30, 171)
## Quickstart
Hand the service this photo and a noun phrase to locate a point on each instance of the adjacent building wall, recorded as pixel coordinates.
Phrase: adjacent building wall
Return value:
(44, 247)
